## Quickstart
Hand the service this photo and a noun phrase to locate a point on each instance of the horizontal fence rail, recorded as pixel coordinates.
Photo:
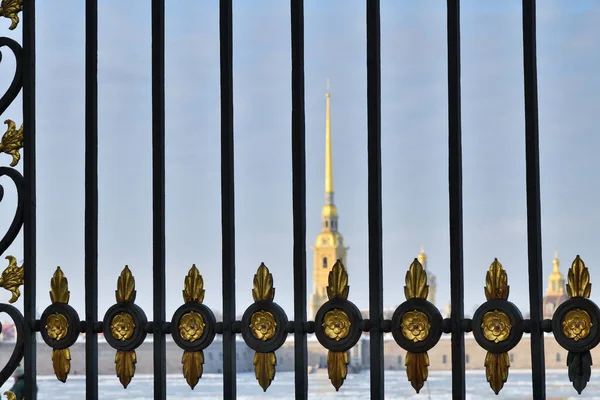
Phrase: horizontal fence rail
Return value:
(416, 324)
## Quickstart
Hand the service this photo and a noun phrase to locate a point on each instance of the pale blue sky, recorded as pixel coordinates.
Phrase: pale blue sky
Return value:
(414, 139)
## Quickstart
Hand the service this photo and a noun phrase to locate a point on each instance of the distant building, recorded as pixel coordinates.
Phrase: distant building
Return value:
(431, 281)
(556, 292)
(329, 246)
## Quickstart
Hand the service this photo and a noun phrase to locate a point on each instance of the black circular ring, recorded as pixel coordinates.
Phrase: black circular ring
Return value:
(72, 329)
(433, 316)
(272, 344)
(208, 334)
(354, 330)
(581, 345)
(139, 331)
(516, 325)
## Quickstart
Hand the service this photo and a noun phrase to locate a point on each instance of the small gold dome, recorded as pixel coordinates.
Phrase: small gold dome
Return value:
(330, 210)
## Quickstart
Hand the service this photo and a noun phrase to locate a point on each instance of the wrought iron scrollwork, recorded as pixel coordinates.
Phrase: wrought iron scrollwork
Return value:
(575, 325)
(193, 327)
(338, 325)
(12, 276)
(125, 327)
(416, 325)
(264, 327)
(497, 326)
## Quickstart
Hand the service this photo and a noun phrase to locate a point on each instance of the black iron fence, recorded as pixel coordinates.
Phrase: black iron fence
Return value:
(416, 325)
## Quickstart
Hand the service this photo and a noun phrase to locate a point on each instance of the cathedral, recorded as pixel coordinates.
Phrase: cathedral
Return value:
(329, 246)
(556, 292)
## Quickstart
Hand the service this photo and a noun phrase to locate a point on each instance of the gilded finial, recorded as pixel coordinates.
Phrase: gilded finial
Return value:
(327, 85)
(556, 254)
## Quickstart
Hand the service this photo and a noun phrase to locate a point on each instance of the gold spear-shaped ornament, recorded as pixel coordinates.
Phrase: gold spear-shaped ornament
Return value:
(415, 325)
(496, 326)
(263, 325)
(57, 325)
(192, 327)
(337, 325)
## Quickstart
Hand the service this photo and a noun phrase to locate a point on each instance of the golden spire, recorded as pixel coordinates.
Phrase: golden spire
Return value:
(556, 262)
(328, 161)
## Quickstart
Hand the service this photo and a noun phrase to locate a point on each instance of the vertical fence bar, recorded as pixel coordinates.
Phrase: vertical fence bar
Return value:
(91, 198)
(534, 223)
(299, 198)
(158, 195)
(227, 197)
(29, 215)
(374, 190)
(455, 201)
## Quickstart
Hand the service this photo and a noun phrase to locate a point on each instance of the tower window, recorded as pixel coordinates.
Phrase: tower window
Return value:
(324, 262)
(326, 224)
(444, 359)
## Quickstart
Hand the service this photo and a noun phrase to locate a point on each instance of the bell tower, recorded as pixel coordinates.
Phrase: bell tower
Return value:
(329, 246)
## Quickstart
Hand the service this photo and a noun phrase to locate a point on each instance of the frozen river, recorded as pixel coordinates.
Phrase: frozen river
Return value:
(356, 387)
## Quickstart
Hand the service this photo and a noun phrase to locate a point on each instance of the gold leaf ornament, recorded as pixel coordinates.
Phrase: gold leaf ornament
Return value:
(191, 326)
(579, 280)
(336, 324)
(61, 362)
(416, 369)
(416, 282)
(10, 9)
(496, 370)
(10, 396)
(337, 368)
(496, 282)
(264, 368)
(125, 292)
(338, 282)
(496, 326)
(263, 284)
(415, 326)
(192, 366)
(12, 278)
(193, 286)
(125, 366)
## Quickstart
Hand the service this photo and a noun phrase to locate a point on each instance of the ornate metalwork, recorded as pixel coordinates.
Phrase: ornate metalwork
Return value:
(12, 141)
(336, 324)
(195, 327)
(12, 278)
(415, 326)
(57, 326)
(337, 361)
(10, 396)
(575, 325)
(124, 327)
(191, 327)
(263, 327)
(11, 9)
(496, 326)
